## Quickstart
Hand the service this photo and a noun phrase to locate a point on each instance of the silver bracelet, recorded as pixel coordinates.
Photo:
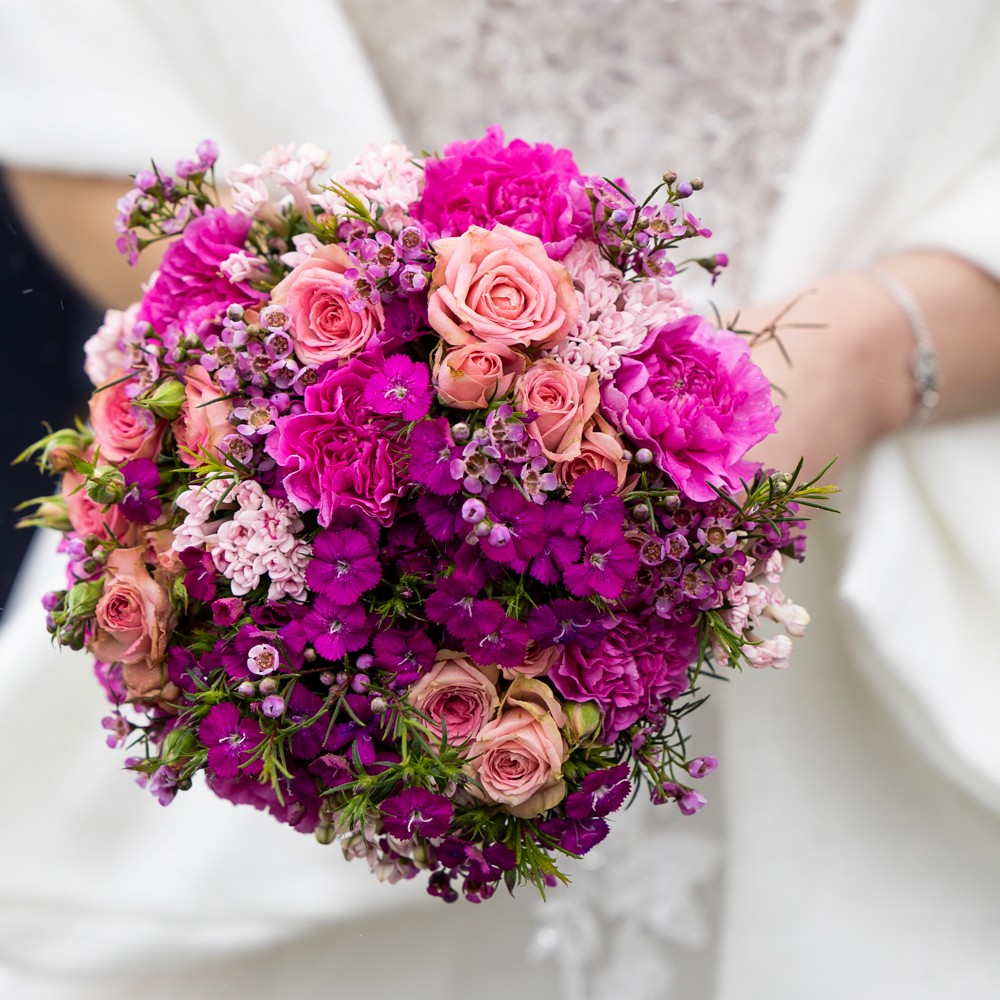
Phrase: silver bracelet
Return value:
(924, 365)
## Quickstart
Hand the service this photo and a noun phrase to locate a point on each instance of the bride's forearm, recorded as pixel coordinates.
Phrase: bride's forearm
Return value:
(71, 218)
(850, 343)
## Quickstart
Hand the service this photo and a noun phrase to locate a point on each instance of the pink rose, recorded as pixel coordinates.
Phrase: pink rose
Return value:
(564, 401)
(133, 620)
(90, 518)
(600, 448)
(499, 286)
(517, 759)
(324, 327)
(469, 377)
(123, 430)
(458, 695)
(536, 662)
(204, 417)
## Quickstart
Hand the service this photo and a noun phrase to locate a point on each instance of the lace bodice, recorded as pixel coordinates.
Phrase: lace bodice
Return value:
(720, 88)
(724, 89)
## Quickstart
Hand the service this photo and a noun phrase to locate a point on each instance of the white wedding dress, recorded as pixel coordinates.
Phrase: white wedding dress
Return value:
(852, 843)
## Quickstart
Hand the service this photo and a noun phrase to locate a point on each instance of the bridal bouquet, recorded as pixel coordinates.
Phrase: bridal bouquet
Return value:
(413, 503)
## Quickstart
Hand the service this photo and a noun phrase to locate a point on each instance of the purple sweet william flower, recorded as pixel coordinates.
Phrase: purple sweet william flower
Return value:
(231, 741)
(141, 502)
(531, 188)
(415, 811)
(191, 291)
(694, 398)
(400, 387)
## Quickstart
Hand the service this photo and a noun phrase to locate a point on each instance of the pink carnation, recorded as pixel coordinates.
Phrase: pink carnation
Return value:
(640, 662)
(337, 453)
(694, 398)
(191, 290)
(531, 188)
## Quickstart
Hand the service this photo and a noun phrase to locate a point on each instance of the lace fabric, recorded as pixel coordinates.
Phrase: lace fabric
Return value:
(720, 88)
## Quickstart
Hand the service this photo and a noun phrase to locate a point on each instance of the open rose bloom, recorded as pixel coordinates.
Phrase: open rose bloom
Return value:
(414, 501)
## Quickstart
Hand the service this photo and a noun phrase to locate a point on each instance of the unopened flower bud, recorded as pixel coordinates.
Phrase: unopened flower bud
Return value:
(583, 719)
(701, 766)
(460, 432)
(644, 456)
(696, 183)
(379, 704)
(106, 485)
(52, 600)
(670, 177)
(641, 511)
(499, 535)
(473, 510)
(483, 528)
(274, 706)
(325, 833)
(365, 661)
(780, 482)
(247, 689)
(327, 679)
(684, 190)
(269, 685)
(82, 598)
(360, 683)
(165, 400)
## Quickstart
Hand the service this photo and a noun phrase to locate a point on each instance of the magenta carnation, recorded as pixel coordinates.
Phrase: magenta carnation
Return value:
(191, 291)
(640, 662)
(694, 398)
(527, 187)
(337, 454)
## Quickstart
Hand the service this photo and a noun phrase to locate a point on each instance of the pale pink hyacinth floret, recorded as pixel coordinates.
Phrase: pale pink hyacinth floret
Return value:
(761, 597)
(260, 538)
(306, 244)
(285, 176)
(203, 503)
(615, 314)
(387, 866)
(108, 350)
(383, 175)
(242, 266)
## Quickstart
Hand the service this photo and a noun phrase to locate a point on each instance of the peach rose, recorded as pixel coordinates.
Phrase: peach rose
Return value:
(517, 759)
(133, 620)
(90, 518)
(456, 694)
(324, 327)
(536, 662)
(564, 401)
(599, 449)
(498, 286)
(123, 430)
(469, 377)
(159, 551)
(204, 418)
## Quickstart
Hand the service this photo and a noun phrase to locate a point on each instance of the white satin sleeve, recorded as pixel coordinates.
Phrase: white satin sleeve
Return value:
(101, 87)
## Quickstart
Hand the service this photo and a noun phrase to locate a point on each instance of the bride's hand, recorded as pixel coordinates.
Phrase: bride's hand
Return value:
(841, 357)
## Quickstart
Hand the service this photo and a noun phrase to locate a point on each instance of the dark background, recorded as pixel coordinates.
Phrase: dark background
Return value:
(43, 325)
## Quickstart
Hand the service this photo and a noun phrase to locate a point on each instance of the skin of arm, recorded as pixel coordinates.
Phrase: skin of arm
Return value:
(849, 344)
(72, 219)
